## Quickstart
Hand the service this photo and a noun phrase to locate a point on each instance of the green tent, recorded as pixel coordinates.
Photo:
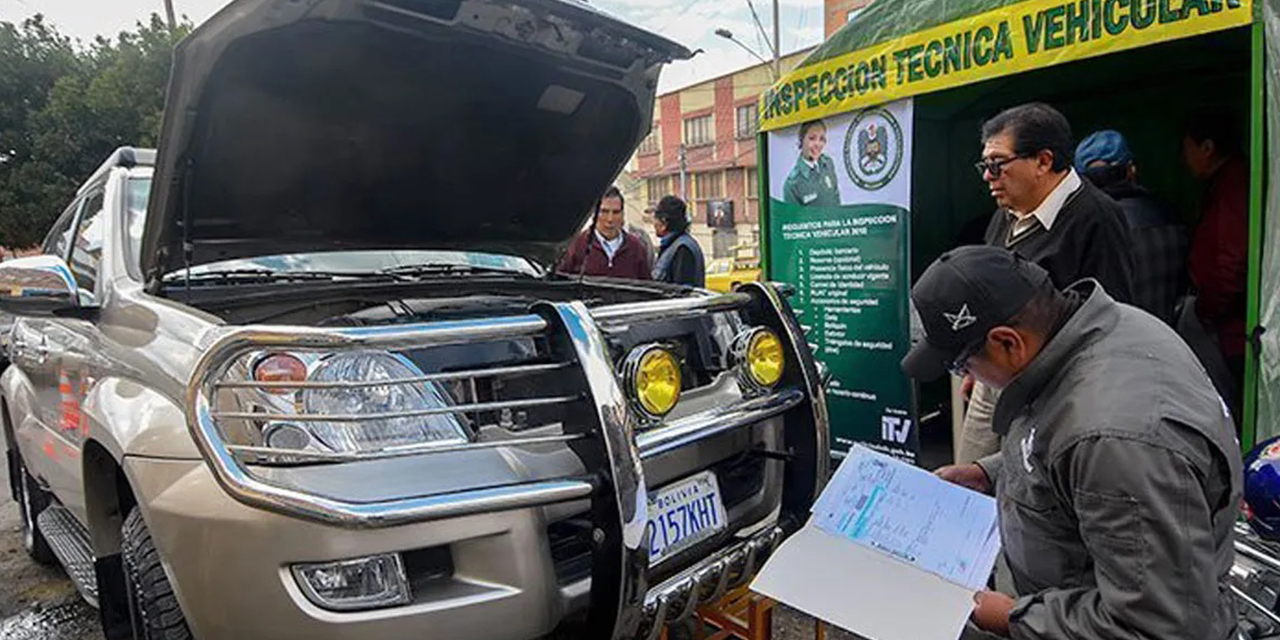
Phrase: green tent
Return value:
(1138, 66)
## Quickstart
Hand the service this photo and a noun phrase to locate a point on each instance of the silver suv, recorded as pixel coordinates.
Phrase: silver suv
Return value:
(303, 375)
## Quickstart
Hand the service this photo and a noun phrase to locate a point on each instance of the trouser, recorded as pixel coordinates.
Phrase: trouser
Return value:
(977, 440)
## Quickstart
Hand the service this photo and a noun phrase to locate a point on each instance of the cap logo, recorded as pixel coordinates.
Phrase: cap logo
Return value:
(961, 319)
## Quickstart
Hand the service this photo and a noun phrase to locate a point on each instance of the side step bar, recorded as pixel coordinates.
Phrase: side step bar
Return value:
(70, 543)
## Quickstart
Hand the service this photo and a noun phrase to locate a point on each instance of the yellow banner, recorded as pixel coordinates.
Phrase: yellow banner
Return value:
(1025, 36)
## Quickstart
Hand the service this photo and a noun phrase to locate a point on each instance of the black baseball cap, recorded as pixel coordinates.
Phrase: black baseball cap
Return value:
(964, 294)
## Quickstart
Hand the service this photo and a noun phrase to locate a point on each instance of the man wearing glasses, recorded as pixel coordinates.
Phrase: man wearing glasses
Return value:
(1049, 216)
(1119, 477)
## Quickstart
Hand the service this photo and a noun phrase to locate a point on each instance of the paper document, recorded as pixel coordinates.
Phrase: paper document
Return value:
(891, 552)
(910, 514)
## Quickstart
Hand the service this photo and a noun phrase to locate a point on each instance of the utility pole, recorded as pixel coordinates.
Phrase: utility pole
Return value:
(777, 43)
(168, 10)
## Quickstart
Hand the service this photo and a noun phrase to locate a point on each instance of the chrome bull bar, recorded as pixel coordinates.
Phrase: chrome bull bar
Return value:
(622, 604)
(679, 597)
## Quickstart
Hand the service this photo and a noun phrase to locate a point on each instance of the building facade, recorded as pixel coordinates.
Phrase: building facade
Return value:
(837, 12)
(703, 148)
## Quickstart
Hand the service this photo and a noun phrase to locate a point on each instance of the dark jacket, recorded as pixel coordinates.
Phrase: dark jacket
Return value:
(680, 261)
(1159, 249)
(631, 261)
(1088, 240)
(1219, 259)
(1118, 484)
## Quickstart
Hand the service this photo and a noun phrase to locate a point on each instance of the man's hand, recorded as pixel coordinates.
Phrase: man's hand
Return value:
(991, 612)
(969, 476)
(966, 388)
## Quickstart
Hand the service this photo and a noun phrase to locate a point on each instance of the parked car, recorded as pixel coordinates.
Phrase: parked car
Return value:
(304, 374)
(727, 274)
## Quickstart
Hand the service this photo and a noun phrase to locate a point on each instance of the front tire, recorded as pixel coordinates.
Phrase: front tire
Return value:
(32, 500)
(152, 605)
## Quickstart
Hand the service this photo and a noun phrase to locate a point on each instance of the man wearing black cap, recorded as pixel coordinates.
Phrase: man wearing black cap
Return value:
(1118, 475)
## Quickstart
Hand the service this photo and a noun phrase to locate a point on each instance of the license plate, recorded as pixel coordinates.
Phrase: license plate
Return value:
(684, 514)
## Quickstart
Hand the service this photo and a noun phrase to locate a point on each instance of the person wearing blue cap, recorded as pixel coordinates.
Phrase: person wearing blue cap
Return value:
(1159, 239)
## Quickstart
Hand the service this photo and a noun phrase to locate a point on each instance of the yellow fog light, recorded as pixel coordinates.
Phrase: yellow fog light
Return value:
(760, 357)
(652, 377)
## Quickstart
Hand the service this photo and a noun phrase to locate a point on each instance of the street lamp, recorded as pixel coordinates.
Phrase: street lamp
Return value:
(728, 35)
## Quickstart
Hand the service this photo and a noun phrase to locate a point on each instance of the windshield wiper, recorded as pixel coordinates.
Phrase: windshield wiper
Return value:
(271, 275)
(448, 269)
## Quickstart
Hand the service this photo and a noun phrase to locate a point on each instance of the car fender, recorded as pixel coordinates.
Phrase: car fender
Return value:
(129, 418)
(19, 400)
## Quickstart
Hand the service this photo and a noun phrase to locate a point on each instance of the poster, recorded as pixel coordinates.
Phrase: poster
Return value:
(839, 230)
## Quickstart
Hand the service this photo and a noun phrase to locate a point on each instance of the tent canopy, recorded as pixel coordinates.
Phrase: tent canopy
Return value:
(901, 48)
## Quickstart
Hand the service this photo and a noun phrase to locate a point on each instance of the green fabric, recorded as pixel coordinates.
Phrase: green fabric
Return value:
(812, 186)
(886, 20)
(1268, 377)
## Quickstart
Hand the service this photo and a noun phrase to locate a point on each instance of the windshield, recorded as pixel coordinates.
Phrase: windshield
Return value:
(354, 262)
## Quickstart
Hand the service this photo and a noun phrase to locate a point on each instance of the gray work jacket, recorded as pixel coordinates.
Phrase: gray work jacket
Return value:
(1118, 483)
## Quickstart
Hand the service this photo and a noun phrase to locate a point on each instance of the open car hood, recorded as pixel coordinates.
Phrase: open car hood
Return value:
(310, 125)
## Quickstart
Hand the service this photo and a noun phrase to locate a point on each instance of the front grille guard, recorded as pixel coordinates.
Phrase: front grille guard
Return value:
(622, 606)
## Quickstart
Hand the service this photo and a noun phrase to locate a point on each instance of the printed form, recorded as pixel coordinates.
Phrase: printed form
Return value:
(910, 514)
(890, 552)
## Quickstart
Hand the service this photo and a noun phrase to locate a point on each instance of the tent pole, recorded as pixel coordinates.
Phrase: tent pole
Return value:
(1257, 167)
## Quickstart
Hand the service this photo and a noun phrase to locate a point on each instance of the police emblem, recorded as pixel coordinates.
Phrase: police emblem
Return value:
(873, 149)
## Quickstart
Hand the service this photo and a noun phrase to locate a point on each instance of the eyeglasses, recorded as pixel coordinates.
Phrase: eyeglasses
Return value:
(996, 167)
(959, 367)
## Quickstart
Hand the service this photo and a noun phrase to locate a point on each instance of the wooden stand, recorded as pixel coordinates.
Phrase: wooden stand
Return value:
(741, 615)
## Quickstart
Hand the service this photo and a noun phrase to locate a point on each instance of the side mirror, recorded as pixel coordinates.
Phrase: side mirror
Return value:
(37, 286)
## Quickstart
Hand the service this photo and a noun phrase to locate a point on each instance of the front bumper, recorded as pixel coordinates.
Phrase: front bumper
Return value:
(491, 532)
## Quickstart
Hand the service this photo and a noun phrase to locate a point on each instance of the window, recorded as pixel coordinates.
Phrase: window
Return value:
(747, 120)
(86, 253)
(658, 187)
(853, 13)
(650, 143)
(708, 186)
(697, 131)
(136, 205)
(55, 244)
(753, 184)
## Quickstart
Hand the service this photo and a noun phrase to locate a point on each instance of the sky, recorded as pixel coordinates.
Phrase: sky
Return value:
(689, 22)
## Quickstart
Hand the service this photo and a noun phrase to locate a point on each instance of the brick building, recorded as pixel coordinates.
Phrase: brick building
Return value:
(714, 124)
(837, 12)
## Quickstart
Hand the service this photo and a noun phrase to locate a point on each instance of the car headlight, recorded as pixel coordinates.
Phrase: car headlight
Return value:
(368, 435)
(761, 359)
(652, 378)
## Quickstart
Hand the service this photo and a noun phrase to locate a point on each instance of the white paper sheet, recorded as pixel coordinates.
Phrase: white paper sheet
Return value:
(908, 513)
(891, 552)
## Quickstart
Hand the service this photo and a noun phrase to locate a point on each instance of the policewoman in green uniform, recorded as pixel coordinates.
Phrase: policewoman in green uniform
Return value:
(812, 183)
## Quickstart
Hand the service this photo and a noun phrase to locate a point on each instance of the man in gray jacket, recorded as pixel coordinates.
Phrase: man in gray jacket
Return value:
(1118, 480)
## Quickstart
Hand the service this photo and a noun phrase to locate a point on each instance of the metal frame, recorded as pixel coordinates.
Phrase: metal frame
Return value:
(621, 600)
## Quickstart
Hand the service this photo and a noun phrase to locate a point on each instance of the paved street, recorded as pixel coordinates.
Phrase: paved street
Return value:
(36, 603)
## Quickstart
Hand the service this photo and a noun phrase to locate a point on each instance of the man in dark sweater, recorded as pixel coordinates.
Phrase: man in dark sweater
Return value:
(1049, 216)
(1159, 238)
(1219, 256)
(605, 249)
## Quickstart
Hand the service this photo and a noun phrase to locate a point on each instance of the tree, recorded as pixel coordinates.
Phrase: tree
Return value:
(64, 107)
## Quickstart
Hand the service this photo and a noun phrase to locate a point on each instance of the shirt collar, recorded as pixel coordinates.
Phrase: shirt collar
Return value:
(1052, 205)
(610, 246)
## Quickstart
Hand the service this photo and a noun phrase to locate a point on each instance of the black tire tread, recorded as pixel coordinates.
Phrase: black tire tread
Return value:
(157, 607)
